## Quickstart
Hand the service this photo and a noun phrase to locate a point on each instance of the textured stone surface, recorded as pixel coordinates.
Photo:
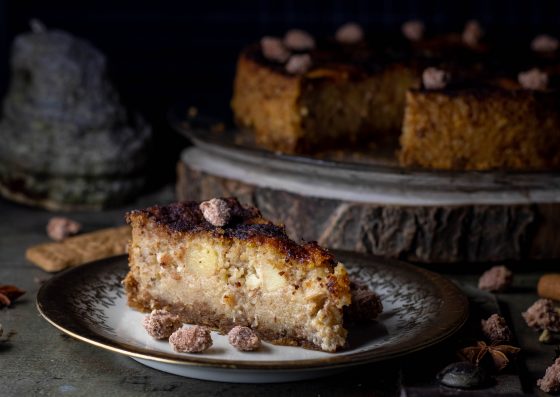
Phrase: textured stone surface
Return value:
(466, 233)
(41, 360)
(66, 138)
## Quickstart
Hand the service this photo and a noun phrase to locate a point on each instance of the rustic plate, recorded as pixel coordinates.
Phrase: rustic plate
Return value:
(421, 309)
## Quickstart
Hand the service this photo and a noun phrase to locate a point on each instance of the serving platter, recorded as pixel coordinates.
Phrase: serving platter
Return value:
(421, 309)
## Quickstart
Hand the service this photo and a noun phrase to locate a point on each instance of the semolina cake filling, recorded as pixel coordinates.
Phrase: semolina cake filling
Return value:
(220, 281)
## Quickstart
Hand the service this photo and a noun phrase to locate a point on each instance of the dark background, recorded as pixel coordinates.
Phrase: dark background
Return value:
(163, 52)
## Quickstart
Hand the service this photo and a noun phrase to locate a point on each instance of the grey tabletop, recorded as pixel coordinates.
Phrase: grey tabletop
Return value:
(40, 360)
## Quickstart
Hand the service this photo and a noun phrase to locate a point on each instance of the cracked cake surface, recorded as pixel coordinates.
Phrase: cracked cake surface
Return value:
(244, 273)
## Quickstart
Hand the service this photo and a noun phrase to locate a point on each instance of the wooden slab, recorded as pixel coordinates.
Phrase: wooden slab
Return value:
(439, 217)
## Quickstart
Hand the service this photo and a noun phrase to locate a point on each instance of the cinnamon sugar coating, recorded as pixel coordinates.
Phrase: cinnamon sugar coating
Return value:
(496, 329)
(274, 50)
(550, 382)
(60, 228)
(160, 324)
(216, 211)
(413, 30)
(543, 315)
(533, 79)
(544, 43)
(349, 33)
(472, 34)
(194, 339)
(435, 79)
(299, 40)
(496, 279)
(298, 64)
(243, 338)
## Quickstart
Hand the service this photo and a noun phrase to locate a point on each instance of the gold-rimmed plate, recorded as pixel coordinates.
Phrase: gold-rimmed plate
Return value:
(421, 309)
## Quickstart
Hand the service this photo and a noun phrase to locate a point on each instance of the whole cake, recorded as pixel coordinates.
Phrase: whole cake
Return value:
(493, 106)
(219, 264)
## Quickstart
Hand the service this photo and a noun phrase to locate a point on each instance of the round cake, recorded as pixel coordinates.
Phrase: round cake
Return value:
(455, 101)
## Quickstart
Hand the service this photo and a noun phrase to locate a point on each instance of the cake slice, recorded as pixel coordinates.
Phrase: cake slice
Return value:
(481, 128)
(220, 264)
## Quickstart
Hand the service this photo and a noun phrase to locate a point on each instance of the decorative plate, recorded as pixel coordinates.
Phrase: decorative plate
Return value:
(421, 309)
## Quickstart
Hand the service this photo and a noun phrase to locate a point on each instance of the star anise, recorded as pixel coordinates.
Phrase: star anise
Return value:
(500, 354)
(8, 294)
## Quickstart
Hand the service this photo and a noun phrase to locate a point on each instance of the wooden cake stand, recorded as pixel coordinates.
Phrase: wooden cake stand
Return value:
(374, 206)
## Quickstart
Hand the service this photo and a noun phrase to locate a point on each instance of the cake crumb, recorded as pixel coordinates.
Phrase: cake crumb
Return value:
(160, 324)
(274, 50)
(413, 30)
(365, 304)
(472, 34)
(243, 338)
(349, 33)
(544, 43)
(195, 339)
(496, 279)
(496, 329)
(216, 211)
(435, 79)
(299, 40)
(543, 315)
(60, 228)
(298, 64)
(550, 382)
(533, 79)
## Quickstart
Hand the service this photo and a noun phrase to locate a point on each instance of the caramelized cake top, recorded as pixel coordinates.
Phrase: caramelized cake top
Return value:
(186, 216)
(246, 223)
(498, 55)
